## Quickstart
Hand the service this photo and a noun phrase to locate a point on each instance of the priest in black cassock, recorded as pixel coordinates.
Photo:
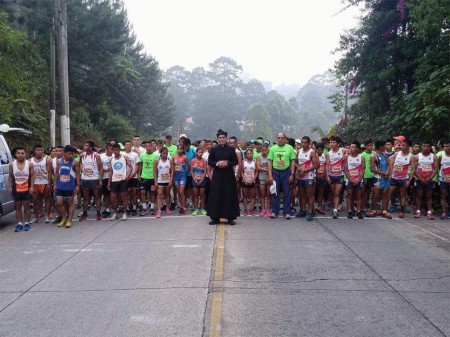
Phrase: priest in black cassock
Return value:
(222, 199)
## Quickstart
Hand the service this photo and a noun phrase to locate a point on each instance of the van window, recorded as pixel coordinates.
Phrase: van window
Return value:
(3, 153)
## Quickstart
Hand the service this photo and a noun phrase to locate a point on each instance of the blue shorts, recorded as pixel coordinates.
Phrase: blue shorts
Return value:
(202, 185)
(350, 186)
(398, 182)
(336, 180)
(180, 180)
(321, 183)
(444, 185)
(426, 187)
(305, 183)
(381, 183)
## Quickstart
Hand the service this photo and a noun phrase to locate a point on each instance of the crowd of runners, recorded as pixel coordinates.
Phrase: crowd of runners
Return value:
(131, 178)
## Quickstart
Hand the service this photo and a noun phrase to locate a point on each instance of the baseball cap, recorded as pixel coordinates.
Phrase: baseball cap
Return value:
(400, 138)
(182, 135)
(298, 141)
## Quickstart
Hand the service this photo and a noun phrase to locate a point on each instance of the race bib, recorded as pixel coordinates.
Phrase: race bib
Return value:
(320, 170)
(280, 163)
(398, 168)
(336, 168)
(178, 168)
(354, 173)
(427, 168)
(64, 178)
(198, 176)
(165, 176)
(87, 171)
(118, 177)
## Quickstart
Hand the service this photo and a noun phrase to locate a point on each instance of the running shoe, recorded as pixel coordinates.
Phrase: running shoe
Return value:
(62, 223)
(99, 216)
(152, 211)
(430, 216)
(321, 211)
(47, 219)
(371, 214)
(195, 212)
(444, 216)
(26, 227)
(273, 215)
(300, 214)
(69, 224)
(124, 216)
(287, 216)
(335, 214)
(168, 211)
(401, 214)
(417, 215)
(245, 213)
(252, 213)
(360, 215)
(143, 212)
(183, 211)
(309, 217)
(158, 214)
(19, 228)
(203, 211)
(134, 212)
(386, 215)
(263, 213)
(82, 217)
(113, 217)
(350, 215)
(57, 220)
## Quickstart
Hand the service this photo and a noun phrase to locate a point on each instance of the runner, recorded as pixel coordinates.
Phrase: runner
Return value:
(249, 174)
(91, 171)
(181, 167)
(163, 173)
(335, 172)
(58, 153)
(237, 168)
(146, 178)
(106, 164)
(137, 148)
(198, 171)
(121, 172)
(368, 174)
(354, 167)
(306, 163)
(444, 178)
(426, 167)
(380, 168)
(21, 183)
(42, 167)
(399, 165)
(67, 180)
(262, 165)
(321, 181)
(133, 182)
(389, 148)
(281, 171)
(190, 154)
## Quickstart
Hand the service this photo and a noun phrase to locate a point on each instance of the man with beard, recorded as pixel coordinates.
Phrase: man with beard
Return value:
(223, 201)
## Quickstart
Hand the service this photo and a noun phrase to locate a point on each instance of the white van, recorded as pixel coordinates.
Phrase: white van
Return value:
(6, 201)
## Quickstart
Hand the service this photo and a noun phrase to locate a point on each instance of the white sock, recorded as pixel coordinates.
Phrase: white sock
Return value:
(152, 205)
(144, 205)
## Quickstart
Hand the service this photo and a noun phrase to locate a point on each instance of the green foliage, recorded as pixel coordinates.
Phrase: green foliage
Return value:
(396, 61)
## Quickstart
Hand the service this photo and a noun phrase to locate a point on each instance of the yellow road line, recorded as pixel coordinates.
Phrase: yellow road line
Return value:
(216, 305)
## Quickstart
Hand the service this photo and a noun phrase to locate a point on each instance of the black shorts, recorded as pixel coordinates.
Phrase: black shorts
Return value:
(105, 190)
(426, 187)
(147, 185)
(189, 182)
(64, 194)
(119, 186)
(132, 183)
(321, 183)
(370, 182)
(21, 196)
(90, 185)
(163, 184)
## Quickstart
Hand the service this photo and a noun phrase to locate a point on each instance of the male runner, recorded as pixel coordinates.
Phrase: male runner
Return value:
(42, 167)
(146, 178)
(354, 167)
(444, 178)
(106, 165)
(368, 174)
(335, 172)
(133, 182)
(121, 172)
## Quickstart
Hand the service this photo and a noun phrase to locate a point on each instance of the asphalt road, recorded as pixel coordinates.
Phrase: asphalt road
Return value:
(178, 276)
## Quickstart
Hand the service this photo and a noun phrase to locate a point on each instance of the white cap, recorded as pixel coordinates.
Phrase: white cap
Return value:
(182, 135)
(298, 141)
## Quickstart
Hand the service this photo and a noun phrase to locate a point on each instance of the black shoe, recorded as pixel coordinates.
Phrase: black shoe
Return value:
(350, 215)
(232, 222)
(300, 214)
(57, 220)
(360, 215)
(133, 212)
(214, 222)
(172, 206)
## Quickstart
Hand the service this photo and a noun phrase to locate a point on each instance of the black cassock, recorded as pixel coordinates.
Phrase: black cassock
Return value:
(222, 199)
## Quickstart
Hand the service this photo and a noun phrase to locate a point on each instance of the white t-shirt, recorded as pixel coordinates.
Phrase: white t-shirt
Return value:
(134, 159)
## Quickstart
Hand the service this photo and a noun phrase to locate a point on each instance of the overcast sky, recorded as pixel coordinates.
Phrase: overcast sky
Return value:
(284, 41)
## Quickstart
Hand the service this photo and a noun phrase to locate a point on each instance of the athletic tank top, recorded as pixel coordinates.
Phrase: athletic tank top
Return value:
(106, 162)
(380, 163)
(66, 176)
(89, 166)
(305, 162)
(354, 167)
(425, 166)
(336, 163)
(321, 169)
(264, 162)
(180, 167)
(21, 177)
(401, 166)
(163, 171)
(249, 171)
(119, 168)
(199, 168)
(40, 171)
(444, 173)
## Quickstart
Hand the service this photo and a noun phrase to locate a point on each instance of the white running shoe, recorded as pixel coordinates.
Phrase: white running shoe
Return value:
(113, 217)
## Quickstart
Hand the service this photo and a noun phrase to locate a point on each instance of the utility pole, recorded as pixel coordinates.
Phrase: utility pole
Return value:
(63, 69)
(52, 86)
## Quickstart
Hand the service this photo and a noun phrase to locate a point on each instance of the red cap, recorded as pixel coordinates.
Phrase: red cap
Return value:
(400, 138)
